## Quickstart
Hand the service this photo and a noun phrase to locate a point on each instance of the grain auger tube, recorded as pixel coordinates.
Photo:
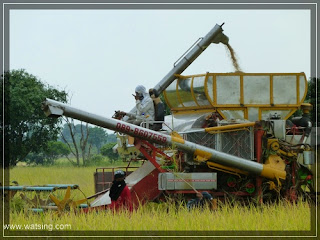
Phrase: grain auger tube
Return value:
(214, 36)
(56, 109)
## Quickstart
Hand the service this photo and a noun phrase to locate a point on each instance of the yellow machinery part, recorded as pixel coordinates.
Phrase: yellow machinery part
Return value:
(214, 204)
(274, 168)
(228, 127)
(306, 107)
(226, 169)
(130, 140)
(272, 186)
(288, 154)
(273, 144)
(66, 201)
(176, 137)
(127, 151)
(201, 156)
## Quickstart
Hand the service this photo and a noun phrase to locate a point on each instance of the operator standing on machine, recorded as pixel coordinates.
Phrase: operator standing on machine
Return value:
(159, 111)
(144, 107)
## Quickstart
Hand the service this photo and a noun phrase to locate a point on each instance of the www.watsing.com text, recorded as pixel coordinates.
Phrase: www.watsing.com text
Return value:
(36, 226)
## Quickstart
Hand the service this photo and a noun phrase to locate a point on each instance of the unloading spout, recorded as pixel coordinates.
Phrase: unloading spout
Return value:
(214, 36)
(221, 38)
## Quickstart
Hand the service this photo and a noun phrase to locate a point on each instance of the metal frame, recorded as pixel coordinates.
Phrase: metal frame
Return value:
(241, 106)
(103, 183)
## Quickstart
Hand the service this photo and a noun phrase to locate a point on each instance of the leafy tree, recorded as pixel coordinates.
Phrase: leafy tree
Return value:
(47, 156)
(112, 138)
(95, 160)
(97, 137)
(313, 88)
(106, 150)
(78, 145)
(35, 158)
(56, 150)
(26, 128)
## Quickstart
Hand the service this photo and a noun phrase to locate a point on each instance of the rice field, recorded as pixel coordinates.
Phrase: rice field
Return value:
(164, 217)
(154, 216)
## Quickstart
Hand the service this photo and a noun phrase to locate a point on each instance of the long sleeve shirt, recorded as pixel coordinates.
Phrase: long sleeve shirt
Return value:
(144, 110)
(123, 202)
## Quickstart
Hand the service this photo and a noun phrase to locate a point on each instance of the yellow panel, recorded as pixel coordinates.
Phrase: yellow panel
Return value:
(192, 93)
(214, 90)
(241, 89)
(178, 95)
(306, 88)
(188, 111)
(271, 89)
(166, 99)
(206, 91)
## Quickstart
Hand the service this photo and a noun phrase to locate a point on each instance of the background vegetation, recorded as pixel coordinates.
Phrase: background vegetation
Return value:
(313, 89)
(35, 139)
(26, 128)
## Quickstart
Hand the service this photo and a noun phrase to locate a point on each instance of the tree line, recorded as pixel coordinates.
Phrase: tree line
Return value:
(30, 136)
(87, 143)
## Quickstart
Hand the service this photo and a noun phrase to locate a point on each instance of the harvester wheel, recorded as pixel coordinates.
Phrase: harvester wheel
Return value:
(66, 203)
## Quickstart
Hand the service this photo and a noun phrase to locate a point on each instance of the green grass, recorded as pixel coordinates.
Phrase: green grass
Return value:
(83, 176)
(60, 174)
(64, 162)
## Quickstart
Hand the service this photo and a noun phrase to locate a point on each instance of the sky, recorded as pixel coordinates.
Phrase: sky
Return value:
(100, 56)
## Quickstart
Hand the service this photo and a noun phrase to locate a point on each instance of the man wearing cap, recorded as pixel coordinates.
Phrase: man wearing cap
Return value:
(119, 193)
(144, 110)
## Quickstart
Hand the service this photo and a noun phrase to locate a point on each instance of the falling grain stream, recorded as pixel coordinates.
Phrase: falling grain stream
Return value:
(233, 58)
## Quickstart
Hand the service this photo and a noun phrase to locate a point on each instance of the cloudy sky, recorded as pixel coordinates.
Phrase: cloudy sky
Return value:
(100, 56)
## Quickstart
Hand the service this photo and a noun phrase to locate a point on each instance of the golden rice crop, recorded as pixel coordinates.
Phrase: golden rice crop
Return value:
(282, 216)
(279, 217)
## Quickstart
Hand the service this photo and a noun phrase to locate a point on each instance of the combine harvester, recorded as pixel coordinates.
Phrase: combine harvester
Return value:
(228, 134)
